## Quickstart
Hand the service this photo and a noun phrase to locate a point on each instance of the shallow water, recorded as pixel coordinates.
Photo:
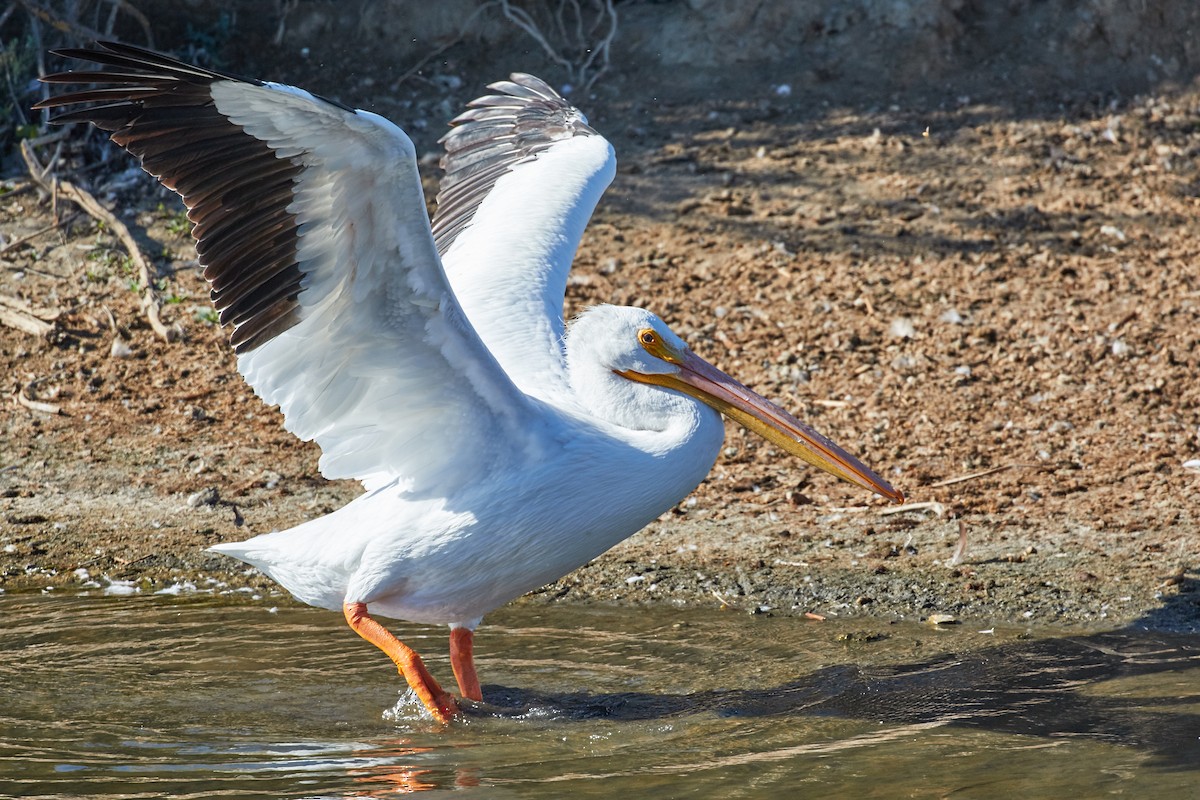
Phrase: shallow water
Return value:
(187, 697)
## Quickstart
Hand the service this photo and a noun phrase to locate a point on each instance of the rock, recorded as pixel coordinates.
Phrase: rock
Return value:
(204, 497)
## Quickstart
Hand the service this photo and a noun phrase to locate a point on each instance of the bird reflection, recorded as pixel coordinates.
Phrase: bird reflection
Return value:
(396, 768)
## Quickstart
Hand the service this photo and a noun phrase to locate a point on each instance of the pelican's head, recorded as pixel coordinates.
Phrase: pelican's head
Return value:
(615, 336)
(634, 344)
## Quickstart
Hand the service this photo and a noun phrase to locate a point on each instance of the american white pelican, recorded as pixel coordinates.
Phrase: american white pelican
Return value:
(497, 451)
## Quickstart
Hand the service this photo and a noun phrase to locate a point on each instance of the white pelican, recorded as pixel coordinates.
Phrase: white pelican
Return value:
(496, 451)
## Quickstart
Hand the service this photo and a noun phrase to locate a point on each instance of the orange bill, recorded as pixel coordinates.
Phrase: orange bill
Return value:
(701, 380)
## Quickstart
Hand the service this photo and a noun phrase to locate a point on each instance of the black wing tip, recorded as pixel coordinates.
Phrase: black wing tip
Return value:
(161, 110)
(102, 49)
(99, 46)
(128, 56)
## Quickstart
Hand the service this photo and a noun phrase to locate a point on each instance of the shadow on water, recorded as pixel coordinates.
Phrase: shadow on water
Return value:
(195, 698)
(1051, 688)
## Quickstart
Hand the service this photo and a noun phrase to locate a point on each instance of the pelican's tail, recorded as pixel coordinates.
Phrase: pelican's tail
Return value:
(299, 560)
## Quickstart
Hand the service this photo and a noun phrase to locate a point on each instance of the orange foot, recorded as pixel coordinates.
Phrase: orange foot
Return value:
(441, 704)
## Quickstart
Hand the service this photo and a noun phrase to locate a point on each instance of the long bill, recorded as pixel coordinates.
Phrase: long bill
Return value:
(701, 380)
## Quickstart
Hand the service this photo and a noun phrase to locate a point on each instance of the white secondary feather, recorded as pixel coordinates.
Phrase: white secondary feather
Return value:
(524, 172)
(535, 215)
(384, 371)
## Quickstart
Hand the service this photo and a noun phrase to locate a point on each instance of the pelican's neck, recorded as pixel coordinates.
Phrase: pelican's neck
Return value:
(651, 418)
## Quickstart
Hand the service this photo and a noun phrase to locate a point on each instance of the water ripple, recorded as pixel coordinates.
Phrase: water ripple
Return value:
(176, 696)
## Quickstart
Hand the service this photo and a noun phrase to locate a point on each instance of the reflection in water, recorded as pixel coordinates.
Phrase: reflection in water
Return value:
(141, 697)
(394, 770)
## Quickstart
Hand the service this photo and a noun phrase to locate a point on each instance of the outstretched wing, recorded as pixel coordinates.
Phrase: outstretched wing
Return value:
(524, 172)
(311, 227)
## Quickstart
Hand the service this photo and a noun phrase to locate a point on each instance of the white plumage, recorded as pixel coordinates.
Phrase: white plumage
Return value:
(577, 483)
(430, 362)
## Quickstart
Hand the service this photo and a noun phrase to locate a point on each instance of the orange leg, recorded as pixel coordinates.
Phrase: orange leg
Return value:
(462, 659)
(439, 703)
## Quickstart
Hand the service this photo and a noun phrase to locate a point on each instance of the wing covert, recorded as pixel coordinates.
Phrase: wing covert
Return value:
(524, 171)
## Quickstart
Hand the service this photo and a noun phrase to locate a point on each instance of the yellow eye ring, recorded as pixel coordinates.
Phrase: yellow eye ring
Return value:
(648, 338)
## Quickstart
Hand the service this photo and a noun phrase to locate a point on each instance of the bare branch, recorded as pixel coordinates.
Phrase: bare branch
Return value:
(566, 35)
(131, 10)
(15, 243)
(415, 68)
(84, 199)
(283, 8)
(73, 29)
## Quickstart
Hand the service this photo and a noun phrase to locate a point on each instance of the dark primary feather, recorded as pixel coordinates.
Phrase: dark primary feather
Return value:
(493, 135)
(236, 188)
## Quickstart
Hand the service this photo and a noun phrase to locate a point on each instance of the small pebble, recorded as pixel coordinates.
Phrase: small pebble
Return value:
(204, 497)
(120, 349)
(902, 328)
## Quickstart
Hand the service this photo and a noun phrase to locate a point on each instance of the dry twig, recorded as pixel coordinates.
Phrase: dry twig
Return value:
(73, 29)
(283, 8)
(725, 603)
(462, 32)
(972, 476)
(151, 304)
(15, 243)
(935, 507)
(16, 314)
(961, 550)
(128, 8)
(591, 55)
(35, 405)
(77, 31)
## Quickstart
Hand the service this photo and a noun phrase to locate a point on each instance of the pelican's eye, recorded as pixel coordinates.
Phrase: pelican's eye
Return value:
(653, 344)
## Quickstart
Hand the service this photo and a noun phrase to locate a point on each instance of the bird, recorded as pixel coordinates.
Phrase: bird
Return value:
(498, 448)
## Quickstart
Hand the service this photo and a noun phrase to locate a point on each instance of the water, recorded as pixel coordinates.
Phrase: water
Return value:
(140, 697)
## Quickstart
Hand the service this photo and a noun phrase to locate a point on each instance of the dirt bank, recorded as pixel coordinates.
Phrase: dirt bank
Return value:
(990, 293)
